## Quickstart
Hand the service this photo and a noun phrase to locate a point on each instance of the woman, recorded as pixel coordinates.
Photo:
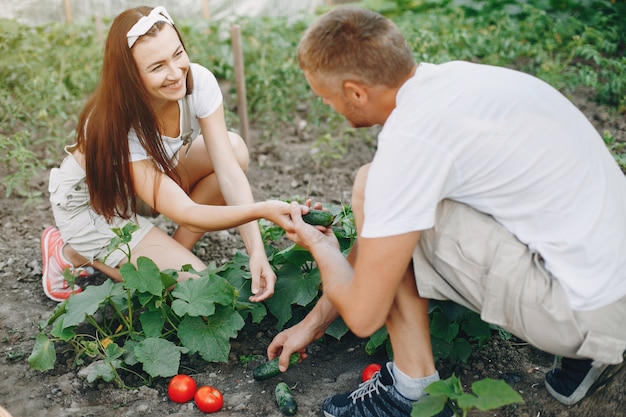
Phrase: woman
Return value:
(138, 140)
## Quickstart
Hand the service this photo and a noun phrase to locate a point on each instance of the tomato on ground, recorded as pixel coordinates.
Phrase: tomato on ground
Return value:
(181, 388)
(209, 399)
(369, 371)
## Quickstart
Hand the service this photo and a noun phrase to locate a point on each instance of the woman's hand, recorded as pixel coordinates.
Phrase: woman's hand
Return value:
(263, 277)
(278, 212)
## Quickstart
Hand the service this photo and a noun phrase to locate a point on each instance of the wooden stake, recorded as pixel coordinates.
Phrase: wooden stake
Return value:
(240, 82)
(205, 9)
(68, 11)
(99, 30)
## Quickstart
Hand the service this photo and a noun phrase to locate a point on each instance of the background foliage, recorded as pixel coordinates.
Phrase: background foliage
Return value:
(47, 72)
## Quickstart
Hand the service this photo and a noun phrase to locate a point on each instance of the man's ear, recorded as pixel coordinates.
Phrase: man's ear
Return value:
(355, 92)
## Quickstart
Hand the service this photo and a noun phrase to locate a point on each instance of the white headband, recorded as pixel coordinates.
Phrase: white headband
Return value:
(143, 25)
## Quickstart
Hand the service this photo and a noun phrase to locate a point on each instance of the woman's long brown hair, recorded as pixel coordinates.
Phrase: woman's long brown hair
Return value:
(120, 103)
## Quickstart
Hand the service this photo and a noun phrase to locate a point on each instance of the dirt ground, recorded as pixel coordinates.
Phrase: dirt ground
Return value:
(278, 170)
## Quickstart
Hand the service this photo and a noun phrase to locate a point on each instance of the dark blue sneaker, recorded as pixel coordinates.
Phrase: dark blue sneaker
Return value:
(374, 398)
(578, 379)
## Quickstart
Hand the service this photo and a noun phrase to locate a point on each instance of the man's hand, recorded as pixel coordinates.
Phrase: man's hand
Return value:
(298, 337)
(306, 235)
(293, 339)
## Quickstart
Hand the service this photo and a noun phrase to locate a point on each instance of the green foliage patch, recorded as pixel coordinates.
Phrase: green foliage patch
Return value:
(488, 394)
(47, 72)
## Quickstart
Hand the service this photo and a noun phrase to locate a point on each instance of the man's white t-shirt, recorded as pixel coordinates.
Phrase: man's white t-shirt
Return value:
(204, 100)
(509, 145)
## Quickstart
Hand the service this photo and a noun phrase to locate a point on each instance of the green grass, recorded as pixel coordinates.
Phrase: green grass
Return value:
(47, 72)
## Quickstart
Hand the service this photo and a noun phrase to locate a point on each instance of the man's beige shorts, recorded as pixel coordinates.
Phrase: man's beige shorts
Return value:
(471, 259)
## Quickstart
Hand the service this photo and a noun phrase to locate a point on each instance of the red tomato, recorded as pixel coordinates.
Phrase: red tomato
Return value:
(369, 371)
(209, 399)
(181, 388)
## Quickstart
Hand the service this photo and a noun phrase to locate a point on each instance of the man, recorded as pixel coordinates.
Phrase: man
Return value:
(488, 188)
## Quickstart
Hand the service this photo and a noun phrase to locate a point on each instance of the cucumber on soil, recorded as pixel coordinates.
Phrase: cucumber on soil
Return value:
(270, 369)
(285, 400)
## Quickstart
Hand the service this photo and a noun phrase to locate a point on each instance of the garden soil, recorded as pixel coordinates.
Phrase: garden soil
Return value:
(281, 169)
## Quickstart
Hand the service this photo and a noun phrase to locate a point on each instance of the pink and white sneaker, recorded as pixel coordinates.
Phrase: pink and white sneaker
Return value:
(54, 265)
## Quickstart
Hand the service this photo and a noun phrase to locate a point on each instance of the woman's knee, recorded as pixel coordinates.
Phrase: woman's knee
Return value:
(240, 148)
(165, 251)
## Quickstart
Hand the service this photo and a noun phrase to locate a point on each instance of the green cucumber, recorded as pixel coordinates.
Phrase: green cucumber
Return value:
(319, 218)
(270, 369)
(286, 403)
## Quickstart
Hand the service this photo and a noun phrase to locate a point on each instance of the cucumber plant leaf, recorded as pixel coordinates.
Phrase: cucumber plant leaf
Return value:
(152, 322)
(197, 297)
(146, 277)
(87, 302)
(292, 287)
(101, 369)
(490, 394)
(210, 336)
(159, 357)
(43, 355)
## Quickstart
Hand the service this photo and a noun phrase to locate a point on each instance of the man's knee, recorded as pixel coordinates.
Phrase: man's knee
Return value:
(358, 187)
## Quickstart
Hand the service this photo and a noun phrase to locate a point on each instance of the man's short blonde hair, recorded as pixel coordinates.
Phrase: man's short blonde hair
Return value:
(351, 43)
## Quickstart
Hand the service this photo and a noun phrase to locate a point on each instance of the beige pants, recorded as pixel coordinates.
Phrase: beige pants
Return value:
(471, 259)
(84, 230)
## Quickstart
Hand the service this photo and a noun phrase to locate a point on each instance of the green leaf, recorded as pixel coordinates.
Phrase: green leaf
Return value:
(450, 310)
(491, 394)
(58, 311)
(102, 369)
(292, 287)
(211, 338)
(145, 278)
(294, 254)
(449, 388)
(197, 297)
(441, 348)
(144, 298)
(43, 355)
(441, 388)
(337, 328)
(256, 310)
(428, 406)
(169, 279)
(159, 357)
(61, 332)
(240, 261)
(376, 341)
(476, 328)
(461, 350)
(441, 327)
(237, 274)
(129, 352)
(123, 236)
(152, 323)
(113, 351)
(87, 302)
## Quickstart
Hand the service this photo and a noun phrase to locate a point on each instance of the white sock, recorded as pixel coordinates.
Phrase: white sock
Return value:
(411, 388)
